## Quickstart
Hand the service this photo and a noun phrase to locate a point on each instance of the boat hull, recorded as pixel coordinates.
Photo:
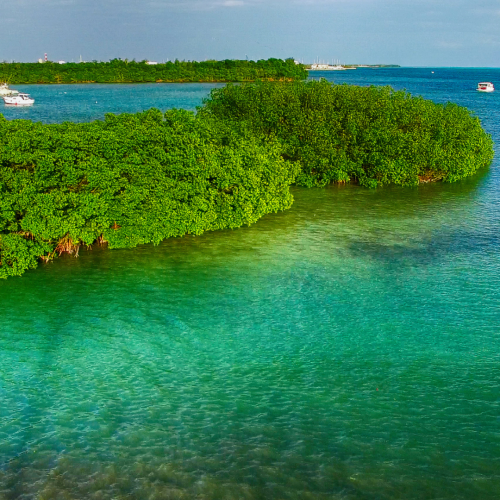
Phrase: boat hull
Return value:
(12, 101)
(485, 87)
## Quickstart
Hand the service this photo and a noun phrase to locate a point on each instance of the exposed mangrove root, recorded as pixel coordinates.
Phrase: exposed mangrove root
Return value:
(26, 234)
(47, 258)
(430, 177)
(101, 241)
(67, 245)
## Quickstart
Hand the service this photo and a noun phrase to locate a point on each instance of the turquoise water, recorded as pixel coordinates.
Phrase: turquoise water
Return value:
(82, 103)
(347, 348)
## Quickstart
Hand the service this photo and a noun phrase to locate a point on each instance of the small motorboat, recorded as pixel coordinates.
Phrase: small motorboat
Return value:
(485, 87)
(5, 90)
(18, 100)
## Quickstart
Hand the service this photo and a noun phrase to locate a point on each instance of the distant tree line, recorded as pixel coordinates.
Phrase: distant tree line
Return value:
(138, 178)
(124, 71)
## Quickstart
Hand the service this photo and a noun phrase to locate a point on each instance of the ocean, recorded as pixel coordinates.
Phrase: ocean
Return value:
(348, 348)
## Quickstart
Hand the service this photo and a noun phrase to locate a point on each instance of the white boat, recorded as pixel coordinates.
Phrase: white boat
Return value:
(485, 87)
(4, 90)
(18, 100)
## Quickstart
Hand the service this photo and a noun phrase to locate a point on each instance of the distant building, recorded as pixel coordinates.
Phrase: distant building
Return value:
(40, 60)
(61, 62)
(326, 67)
(151, 63)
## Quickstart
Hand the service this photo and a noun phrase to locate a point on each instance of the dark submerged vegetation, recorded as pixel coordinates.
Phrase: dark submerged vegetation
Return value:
(123, 71)
(134, 179)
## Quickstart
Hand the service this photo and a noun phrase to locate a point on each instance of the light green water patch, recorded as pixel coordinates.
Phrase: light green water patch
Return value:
(346, 348)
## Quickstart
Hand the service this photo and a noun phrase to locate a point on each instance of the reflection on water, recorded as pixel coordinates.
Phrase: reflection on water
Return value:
(346, 348)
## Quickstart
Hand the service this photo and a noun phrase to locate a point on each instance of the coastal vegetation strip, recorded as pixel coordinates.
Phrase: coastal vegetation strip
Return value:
(123, 71)
(139, 178)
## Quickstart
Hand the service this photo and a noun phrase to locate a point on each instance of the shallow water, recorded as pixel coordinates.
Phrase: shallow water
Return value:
(347, 348)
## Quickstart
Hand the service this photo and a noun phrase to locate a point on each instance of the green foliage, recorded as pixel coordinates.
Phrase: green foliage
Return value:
(128, 180)
(342, 133)
(124, 71)
(134, 179)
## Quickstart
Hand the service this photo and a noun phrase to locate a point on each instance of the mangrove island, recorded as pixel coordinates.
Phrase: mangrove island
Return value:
(139, 178)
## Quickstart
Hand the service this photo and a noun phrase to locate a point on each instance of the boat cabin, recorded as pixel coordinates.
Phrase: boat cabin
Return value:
(485, 87)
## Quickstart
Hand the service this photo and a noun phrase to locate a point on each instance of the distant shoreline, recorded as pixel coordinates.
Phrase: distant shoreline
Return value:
(354, 66)
(123, 71)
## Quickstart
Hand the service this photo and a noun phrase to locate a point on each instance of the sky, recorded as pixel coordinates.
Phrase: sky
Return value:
(405, 32)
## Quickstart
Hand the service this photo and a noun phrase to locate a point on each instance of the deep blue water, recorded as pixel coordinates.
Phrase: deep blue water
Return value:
(348, 348)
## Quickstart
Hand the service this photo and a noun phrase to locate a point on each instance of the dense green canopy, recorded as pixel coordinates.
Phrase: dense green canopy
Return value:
(123, 71)
(342, 133)
(128, 180)
(134, 179)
